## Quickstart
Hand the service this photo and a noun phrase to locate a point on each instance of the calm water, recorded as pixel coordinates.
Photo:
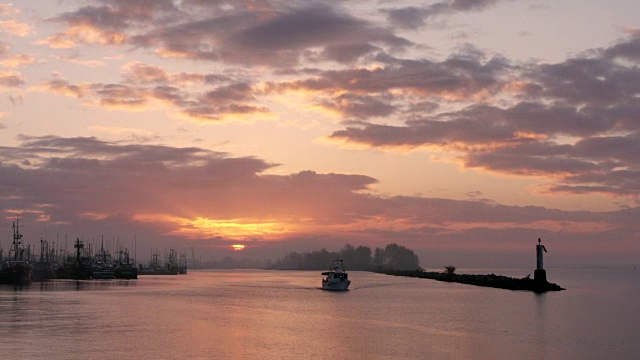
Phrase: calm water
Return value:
(284, 315)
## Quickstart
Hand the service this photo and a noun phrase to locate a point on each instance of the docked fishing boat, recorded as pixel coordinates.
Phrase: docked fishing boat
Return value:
(125, 269)
(102, 267)
(16, 270)
(155, 268)
(182, 265)
(43, 268)
(78, 268)
(336, 278)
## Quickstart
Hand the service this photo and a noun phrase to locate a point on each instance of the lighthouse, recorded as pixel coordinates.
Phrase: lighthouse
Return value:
(540, 275)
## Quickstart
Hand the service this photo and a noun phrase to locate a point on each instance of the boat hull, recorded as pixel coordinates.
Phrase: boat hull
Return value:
(42, 271)
(126, 272)
(158, 271)
(16, 274)
(101, 274)
(336, 285)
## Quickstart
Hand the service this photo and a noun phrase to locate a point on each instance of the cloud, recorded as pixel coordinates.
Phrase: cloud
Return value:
(91, 186)
(107, 23)
(91, 176)
(15, 28)
(242, 33)
(574, 123)
(17, 60)
(360, 107)
(414, 17)
(8, 79)
(319, 26)
(145, 87)
(376, 92)
(77, 61)
(629, 49)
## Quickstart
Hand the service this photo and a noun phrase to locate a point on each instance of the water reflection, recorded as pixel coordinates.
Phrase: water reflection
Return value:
(285, 315)
(541, 323)
(66, 285)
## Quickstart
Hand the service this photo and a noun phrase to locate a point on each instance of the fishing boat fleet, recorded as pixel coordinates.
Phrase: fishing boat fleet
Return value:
(20, 267)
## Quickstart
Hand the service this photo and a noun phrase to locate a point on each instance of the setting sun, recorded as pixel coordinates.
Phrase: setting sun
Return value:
(237, 247)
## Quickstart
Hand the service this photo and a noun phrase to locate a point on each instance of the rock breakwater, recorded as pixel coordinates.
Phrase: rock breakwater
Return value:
(490, 280)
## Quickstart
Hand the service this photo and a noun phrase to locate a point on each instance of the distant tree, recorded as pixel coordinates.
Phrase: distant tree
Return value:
(400, 258)
(449, 269)
(318, 260)
(362, 258)
(393, 256)
(347, 253)
(356, 258)
(378, 261)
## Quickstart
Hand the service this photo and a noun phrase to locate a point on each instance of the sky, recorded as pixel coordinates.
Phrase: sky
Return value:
(462, 129)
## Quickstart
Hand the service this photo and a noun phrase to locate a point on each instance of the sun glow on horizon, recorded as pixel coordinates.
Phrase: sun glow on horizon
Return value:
(238, 247)
(229, 228)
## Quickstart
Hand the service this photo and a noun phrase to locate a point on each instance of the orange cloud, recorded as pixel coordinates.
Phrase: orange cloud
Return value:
(93, 215)
(84, 34)
(13, 27)
(167, 53)
(201, 227)
(17, 61)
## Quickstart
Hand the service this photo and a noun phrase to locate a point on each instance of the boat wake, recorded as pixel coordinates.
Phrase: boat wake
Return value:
(371, 286)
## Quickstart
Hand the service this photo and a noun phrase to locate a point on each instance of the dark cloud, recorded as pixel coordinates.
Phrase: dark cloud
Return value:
(283, 39)
(408, 18)
(471, 5)
(118, 15)
(577, 123)
(244, 34)
(454, 76)
(143, 84)
(629, 49)
(10, 80)
(163, 192)
(460, 77)
(88, 175)
(414, 17)
(140, 73)
(360, 107)
(594, 81)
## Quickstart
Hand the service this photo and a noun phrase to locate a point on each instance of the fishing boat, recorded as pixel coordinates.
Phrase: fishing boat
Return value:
(155, 268)
(16, 270)
(78, 268)
(102, 266)
(43, 268)
(336, 278)
(182, 264)
(124, 268)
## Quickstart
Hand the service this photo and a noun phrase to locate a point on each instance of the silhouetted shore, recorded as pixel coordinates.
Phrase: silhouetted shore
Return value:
(491, 280)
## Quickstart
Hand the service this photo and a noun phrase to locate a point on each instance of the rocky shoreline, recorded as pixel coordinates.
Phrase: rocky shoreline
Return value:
(490, 280)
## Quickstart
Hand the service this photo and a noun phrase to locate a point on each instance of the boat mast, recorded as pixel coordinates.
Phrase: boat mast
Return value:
(16, 239)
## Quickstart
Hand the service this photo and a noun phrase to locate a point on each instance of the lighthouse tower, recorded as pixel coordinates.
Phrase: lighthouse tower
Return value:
(540, 275)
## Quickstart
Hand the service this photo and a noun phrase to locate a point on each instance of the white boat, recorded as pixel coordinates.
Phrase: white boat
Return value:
(336, 279)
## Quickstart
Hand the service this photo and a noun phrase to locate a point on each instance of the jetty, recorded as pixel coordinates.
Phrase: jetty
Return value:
(538, 284)
(490, 280)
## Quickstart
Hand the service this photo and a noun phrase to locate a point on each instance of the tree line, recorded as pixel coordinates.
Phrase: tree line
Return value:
(391, 257)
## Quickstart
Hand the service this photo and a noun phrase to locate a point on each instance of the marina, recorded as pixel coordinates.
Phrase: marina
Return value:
(21, 266)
